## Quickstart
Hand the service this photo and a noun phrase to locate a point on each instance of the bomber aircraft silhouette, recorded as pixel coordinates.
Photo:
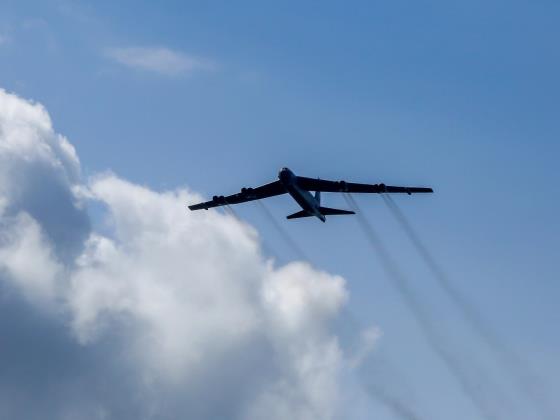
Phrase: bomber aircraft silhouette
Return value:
(299, 188)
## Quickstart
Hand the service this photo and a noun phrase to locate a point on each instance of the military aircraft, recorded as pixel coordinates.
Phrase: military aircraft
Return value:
(299, 188)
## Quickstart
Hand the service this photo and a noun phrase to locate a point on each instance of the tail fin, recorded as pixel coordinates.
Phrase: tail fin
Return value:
(328, 211)
(299, 214)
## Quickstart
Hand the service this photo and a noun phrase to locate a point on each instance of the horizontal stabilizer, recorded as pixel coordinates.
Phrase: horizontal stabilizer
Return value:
(299, 214)
(328, 211)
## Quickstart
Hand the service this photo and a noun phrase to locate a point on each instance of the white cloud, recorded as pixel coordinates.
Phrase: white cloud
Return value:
(38, 170)
(197, 290)
(159, 60)
(26, 257)
(172, 315)
(369, 338)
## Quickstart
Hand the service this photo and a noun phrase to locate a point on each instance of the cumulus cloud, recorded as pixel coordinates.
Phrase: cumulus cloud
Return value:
(159, 60)
(38, 171)
(163, 314)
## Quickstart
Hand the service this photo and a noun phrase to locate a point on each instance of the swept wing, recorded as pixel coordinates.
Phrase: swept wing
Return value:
(311, 184)
(246, 194)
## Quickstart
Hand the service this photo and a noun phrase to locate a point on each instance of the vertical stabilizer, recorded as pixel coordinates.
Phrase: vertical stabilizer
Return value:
(318, 197)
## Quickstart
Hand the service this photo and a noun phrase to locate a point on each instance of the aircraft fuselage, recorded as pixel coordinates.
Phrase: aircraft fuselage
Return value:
(303, 197)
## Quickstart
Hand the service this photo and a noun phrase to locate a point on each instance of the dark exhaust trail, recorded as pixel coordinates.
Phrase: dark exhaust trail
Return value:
(285, 235)
(512, 362)
(378, 390)
(377, 385)
(397, 406)
(472, 392)
(375, 392)
(264, 244)
(229, 210)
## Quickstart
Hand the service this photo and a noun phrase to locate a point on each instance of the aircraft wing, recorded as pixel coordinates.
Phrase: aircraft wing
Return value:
(246, 194)
(311, 184)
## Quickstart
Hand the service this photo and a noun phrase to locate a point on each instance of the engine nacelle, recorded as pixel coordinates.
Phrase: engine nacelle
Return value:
(343, 185)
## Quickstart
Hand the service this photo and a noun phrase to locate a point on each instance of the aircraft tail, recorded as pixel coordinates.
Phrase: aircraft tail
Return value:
(299, 214)
(327, 211)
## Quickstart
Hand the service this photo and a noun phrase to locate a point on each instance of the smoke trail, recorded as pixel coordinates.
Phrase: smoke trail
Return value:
(285, 235)
(398, 408)
(511, 360)
(268, 250)
(421, 315)
(232, 212)
(395, 398)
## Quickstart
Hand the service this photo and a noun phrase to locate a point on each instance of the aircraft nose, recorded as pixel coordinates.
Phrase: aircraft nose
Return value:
(283, 173)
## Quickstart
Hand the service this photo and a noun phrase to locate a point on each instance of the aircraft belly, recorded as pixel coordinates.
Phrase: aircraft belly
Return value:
(299, 196)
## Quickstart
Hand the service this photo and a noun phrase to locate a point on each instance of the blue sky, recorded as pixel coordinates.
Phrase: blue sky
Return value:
(460, 96)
